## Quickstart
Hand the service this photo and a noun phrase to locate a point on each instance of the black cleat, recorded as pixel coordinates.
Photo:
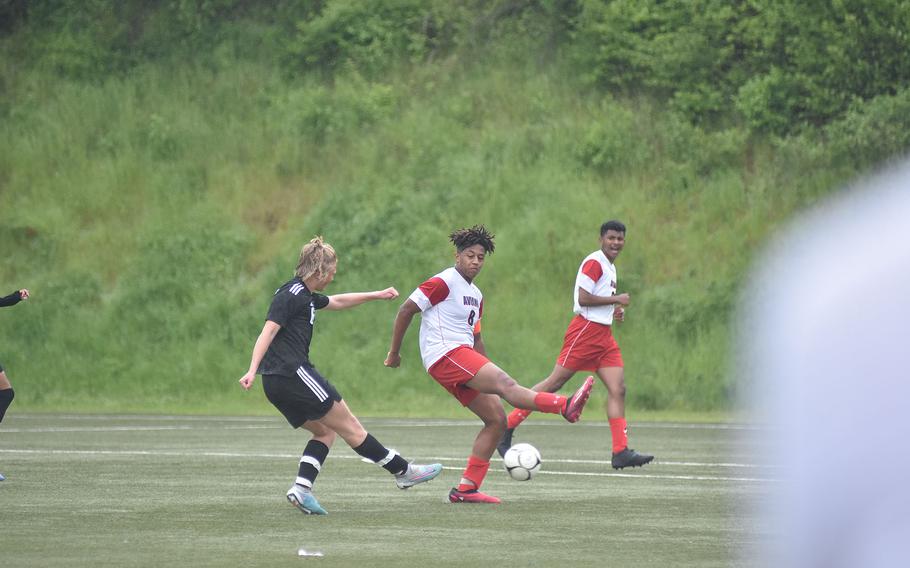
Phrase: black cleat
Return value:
(630, 458)
(505, 442)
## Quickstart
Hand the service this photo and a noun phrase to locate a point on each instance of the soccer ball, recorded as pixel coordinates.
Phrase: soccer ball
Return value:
(522, 461)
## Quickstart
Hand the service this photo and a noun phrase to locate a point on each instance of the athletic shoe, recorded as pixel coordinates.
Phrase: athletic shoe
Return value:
(576, 404)
(505, 442)
(470, 496)
(417, 474)
(2, 478)
(630, 458)
(304, 500)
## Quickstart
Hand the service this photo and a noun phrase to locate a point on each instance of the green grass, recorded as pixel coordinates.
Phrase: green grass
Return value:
(120, 490)
(153, 213)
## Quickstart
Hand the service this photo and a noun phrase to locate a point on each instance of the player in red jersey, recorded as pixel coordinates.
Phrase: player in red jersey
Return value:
(453, 353)
(589, 344)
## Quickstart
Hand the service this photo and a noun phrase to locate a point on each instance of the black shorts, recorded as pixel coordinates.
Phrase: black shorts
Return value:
(306, 396)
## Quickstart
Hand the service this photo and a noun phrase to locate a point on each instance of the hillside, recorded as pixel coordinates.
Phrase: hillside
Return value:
(153, 194)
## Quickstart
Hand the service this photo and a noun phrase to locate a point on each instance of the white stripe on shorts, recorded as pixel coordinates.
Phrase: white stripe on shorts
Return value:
(313, 384)
(574, 341)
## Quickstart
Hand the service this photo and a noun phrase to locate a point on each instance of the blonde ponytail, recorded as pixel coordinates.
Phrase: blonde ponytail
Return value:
(317, 257)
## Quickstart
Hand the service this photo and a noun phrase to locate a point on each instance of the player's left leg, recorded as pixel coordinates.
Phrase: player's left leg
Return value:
(487, 407)
(614, 379)
(342, 420)
(317, 449)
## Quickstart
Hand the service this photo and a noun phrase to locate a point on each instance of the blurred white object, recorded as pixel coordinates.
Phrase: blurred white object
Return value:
(825, 346)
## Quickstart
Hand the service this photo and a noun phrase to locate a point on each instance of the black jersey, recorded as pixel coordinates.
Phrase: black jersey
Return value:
(294, 309)
(11, 300)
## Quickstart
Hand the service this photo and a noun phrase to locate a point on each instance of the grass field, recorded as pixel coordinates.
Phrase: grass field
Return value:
(107, 490)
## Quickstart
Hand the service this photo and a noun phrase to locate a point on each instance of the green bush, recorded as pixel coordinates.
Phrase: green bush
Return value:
(873, 132)
(370, 37)
(94, 38)
(780, 66)
(677, 51)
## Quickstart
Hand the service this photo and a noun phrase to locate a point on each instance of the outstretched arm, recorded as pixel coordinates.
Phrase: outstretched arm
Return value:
(269, 330)
(351, 299)
(15, 297)
(402, 322)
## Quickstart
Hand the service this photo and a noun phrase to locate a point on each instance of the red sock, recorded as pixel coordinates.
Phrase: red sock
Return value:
(620, 434)
(475, 472)
(517, 416)
(549, 402)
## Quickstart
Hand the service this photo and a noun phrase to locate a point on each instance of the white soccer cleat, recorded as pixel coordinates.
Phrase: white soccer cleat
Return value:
(417, 474)
(304, 500)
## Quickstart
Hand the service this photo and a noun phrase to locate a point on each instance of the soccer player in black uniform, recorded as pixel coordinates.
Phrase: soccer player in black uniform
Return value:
(300, 392)
(6, 389)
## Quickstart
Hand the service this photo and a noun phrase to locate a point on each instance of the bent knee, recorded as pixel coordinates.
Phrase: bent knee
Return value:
(321, 431)
(495, 427)
(496, 421)
(489, 409)
(617, 391)
(353, 429)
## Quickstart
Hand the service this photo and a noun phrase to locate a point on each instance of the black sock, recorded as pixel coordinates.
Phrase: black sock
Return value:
(311, 463)
(6, 398)
(389, 459)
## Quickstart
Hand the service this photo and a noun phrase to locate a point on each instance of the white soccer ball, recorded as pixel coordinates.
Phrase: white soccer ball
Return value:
(522, 461)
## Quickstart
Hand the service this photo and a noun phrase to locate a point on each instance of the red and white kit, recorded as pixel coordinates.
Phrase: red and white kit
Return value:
(452, 308)
(589, 344)
(596, 275)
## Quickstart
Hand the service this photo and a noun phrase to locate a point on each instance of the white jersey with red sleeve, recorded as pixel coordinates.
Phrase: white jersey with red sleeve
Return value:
(451, 310)
(597, 276)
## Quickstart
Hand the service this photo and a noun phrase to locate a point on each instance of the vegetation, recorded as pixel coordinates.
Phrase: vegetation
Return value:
(162, 163)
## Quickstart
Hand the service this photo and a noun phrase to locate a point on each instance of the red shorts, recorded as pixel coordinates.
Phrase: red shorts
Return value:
(589, 346)
(457, 367)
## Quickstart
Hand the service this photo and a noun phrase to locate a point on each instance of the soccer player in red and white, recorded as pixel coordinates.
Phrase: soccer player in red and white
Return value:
(589, 344)
(453, 353)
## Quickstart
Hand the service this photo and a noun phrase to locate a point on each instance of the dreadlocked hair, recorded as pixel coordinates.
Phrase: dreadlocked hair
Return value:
(476, 235)
(317, 257)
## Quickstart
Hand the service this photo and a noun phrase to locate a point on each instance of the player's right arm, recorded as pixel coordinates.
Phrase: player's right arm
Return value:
(351, 299)
(14, 298)
(590, 273)
(586, 298)
(269, 330)
(402, 321)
